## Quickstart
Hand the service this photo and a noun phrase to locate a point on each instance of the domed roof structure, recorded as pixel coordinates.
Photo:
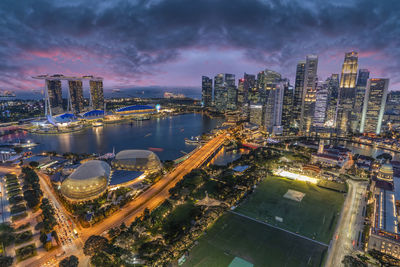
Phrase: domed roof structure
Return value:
(386, 172)
(87, 182)
(137, 160)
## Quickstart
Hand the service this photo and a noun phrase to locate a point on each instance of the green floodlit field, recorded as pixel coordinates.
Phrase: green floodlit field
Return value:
(234, 236)
(314, 217)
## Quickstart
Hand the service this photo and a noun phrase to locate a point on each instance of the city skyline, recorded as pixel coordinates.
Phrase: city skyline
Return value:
(173, 44)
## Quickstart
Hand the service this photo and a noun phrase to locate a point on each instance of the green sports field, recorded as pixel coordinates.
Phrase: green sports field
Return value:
(234, 236)
(314, 217)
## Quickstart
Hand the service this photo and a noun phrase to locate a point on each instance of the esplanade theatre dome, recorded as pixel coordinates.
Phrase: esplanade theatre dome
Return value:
(88, 181)
(386, 172)
(137, 160)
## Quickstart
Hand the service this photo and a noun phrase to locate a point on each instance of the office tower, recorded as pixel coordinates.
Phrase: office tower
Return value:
(309, 91)
(374, 105)
(287, 106)
(76, 95)
(206, 91)
(347, 93)
(241, 93)
(363, 76)
(96, 94)
(225, 92)
(321, 101)
(298, 93)
(249, 86)
(266, 80)
(349, 70)
(273, 105)
(54, 93)
(393, 102)
(332, 101)
(257, 115)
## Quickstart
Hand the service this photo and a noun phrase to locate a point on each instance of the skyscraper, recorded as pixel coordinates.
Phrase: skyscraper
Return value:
(321, 104)
(96, 94)
(55, 93)
(287, 106)
(206, 91)
(309, 92)
(374, 105)
(347, 92)
(249, 86)
(332, 102)
(225, 92)
(257, 115)
(76, 95)
(363, 76)
(273, 105)
(298, 92)
(241, 93)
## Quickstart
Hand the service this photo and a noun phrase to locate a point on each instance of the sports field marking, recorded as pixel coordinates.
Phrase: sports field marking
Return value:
(276, 227)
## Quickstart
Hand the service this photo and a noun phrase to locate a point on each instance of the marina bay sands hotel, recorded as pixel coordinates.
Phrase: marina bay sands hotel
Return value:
(53, 93)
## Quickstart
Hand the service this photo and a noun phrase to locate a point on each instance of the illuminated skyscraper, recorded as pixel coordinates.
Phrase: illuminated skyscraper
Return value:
(241, 93)
(363, 76)
(287, 106)
(321, 104)
(55, 93)
(374, 105)
(273, 105)
(349, 70)
(249, 85)
(309, 92)
(206, 91)
(96, 94)
(76, 95)
(347, 92)
(298, 93)
(225, 92)
(257, 115)
(332, 102)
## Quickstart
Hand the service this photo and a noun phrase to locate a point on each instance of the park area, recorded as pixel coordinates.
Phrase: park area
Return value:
(234, 236)
(315, 216)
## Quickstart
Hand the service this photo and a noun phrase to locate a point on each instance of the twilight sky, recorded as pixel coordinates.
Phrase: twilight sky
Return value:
(175, 42)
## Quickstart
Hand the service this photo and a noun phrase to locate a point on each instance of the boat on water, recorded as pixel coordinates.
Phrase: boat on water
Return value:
(97, 124)
(156, 149)
(147, 135)
(27, 143)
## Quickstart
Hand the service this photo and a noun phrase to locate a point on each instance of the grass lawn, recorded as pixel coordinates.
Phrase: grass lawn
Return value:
(234, 236)
(315, 216)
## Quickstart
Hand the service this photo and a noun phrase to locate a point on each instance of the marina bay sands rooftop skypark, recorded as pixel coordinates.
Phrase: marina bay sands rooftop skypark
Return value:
(66, 78)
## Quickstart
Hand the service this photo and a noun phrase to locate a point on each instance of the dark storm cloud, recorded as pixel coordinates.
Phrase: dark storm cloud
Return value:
(133, 37)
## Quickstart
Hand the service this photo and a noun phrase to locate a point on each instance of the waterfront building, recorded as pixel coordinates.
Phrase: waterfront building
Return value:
(309, 92)
(136, 110)
(54, 92)
(89, 181)
(76, 95)
(96, 94)
(298, 93)
(347, 92)
(332, 101)
(206, 91)
(363, 76)
(225, 92)
(137, 160)
(374, 105)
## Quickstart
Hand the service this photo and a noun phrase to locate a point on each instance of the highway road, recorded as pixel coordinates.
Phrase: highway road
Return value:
(349, 226)
(157, 193)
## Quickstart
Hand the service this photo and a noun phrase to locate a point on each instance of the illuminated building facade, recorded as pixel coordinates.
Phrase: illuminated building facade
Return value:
(76, 95)
(298, 92)
(287, 106)
(206, 91)
(96, 94)
(256, 114)
(363, 76)
(309, 92)
(249, 87)
(225, 92)
(332, 83)
(321, 100)
(347, 92)
(374, 105)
